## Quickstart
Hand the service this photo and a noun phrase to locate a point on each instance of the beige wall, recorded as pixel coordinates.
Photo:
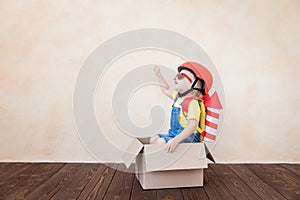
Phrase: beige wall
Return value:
(254, 45)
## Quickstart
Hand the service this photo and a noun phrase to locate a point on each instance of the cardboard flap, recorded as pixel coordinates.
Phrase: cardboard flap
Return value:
(131, 152)
(208, 154)
(186, 156)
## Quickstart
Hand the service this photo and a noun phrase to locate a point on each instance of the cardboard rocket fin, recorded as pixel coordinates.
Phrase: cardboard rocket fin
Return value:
(215, 101)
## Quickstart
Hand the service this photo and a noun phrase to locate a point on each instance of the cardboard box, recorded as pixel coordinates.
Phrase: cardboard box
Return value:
(155, 168)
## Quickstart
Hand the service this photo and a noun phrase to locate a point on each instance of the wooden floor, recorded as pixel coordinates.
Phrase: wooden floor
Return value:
(97, 181)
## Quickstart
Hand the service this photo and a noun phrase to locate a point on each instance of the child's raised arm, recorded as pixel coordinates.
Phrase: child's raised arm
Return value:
(166, 89)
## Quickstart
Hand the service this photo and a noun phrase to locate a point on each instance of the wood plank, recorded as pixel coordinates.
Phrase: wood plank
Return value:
(139, 194)
(50, 187)
(38, 177)
(169, 194)
(233, 182)
(121, 184)
(279, 178)
(17, 177)
(96, 179)
(4, 166)
(214, 186)
(263, 190)
(98, 185)
(210, 188)
(72, 188)
(194, 193)
(11, 169)
(295, 168)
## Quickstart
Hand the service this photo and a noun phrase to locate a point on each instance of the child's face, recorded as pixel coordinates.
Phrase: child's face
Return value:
(183, 81)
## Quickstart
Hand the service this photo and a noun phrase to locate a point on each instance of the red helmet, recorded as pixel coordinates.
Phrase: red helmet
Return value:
(200, 72)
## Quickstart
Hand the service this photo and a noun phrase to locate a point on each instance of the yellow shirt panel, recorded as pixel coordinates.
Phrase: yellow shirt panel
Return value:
(194, 110)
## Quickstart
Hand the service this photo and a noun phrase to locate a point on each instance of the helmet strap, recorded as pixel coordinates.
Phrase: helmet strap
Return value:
(185, 93)
(202, 89)
(189, 90)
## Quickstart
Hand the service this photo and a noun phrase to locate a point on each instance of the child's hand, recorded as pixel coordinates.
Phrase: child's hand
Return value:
(156, 69)
(171, 145)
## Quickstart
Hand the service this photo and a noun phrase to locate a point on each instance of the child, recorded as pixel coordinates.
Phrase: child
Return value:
(188, 83)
